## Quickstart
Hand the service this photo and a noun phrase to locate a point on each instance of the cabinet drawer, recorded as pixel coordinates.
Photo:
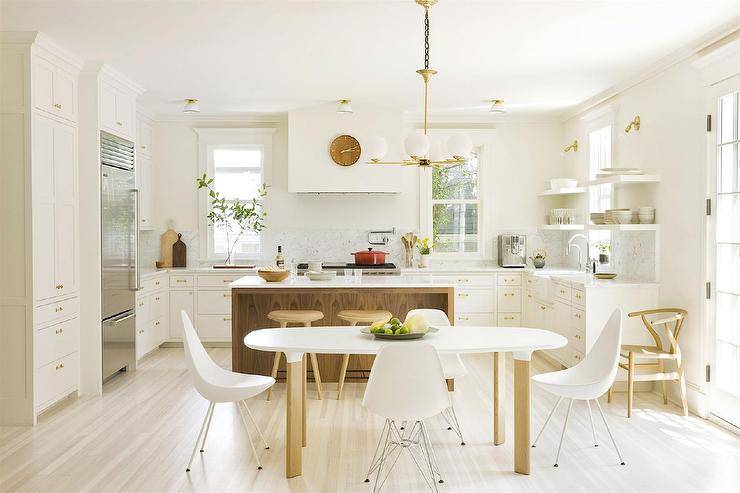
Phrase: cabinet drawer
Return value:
(474, 300)
(469, 280)
(509, 279)
(509, 320)
(214, 302)
(152, 284)
(475, 319)
(56, 311)
(143, 314)
(182, 281)
(157, 308)
(220, 281)
(57, 379)
(57, 341)
(509, 299)
(578, 297)
(563, 292)
(214, 327)
(570, 356)
(578, 319)
(577, 341)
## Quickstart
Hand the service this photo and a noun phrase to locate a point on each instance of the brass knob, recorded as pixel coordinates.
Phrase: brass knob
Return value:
(156, 283)
(226, 280)
(119, 124)
(143, 147)
(156, 323)
(143, 220)
(463, 280)
(226, 319)
(156, 298)
(529, 296)
(58, 106)
(463, 295)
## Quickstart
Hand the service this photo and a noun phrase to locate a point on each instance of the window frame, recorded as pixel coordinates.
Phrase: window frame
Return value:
(210, 139)
(481, 141)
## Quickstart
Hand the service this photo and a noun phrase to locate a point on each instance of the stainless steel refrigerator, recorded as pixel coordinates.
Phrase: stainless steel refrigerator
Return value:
(119, 218)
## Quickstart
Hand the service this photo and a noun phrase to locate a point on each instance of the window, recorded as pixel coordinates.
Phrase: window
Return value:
(601, 197)
(238, 160)
(456, 208)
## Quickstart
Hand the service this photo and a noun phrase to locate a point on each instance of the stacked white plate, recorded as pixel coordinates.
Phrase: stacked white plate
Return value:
(597, 217)
(606, 172)
(646, 215)
(610, 215)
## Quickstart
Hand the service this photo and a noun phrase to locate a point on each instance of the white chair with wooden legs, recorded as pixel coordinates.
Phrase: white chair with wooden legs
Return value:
(219, 385)
(302, 317)
(355, 317)
(636, 358)
(588, 380)
(406, 385)
(452, 365)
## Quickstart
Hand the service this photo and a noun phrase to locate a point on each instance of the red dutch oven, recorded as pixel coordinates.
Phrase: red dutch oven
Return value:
(370, 257)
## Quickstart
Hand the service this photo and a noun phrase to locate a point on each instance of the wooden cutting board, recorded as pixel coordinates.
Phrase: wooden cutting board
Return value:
(166, 241)
(179, 253)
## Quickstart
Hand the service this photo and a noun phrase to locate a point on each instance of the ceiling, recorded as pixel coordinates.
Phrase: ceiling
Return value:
(272, 56)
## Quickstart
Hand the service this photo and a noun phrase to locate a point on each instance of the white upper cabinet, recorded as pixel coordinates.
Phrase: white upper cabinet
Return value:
(143, 138)
(117, 111)
(144, 180)
(54, 90)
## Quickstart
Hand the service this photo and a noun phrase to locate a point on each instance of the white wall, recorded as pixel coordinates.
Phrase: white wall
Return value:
(524, 156)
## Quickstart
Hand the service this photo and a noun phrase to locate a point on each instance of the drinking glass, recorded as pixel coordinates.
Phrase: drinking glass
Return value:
(348, 275)
(358, 275)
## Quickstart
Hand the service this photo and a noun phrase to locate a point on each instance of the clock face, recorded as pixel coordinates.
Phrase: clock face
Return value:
(345, 150)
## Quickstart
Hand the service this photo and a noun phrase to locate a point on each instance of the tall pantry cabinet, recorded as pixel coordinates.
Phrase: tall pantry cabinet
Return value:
(39, 232)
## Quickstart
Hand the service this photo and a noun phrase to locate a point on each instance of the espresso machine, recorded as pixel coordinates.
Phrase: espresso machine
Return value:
(512, 251)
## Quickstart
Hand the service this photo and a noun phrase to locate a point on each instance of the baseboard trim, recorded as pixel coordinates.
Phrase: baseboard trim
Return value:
(170, 344)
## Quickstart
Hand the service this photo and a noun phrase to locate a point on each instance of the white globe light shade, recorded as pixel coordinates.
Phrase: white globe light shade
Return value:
(459, 145)
(376, 147)
(437, 151)
(416, 144)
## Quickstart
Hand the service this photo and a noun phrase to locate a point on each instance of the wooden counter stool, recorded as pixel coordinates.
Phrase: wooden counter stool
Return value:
(355, 317)
(305, 318)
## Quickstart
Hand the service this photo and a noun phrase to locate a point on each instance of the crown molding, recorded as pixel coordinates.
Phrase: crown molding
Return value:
(105, 69)
(266, 119)
(43, 41)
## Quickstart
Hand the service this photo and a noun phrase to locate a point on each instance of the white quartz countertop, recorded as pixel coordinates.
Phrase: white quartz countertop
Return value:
(341, 282)
(149, 273)
(587, 281)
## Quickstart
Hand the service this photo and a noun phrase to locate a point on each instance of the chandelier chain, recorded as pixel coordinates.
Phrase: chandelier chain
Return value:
(426, 38)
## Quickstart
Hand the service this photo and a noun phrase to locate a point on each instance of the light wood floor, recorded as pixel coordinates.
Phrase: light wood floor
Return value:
(138, 437)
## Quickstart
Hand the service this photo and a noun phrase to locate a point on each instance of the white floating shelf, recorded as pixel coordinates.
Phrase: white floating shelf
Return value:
(562, 191)
(623, 227)
(562, 227)
(624, 179)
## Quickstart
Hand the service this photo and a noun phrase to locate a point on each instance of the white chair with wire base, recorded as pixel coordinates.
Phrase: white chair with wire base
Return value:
(406, 385)
(452, 365)
(217, 385)
(588, 380)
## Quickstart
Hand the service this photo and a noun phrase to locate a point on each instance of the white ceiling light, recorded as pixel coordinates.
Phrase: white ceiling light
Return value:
(191, 106)
(417, 145)
(497, 106)
(344, 106)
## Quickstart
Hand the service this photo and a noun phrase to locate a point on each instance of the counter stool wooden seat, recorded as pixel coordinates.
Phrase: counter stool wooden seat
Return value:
(305, 318)
(355, 317)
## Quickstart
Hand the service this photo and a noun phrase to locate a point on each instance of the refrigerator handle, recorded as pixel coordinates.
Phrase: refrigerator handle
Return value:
(135, 259)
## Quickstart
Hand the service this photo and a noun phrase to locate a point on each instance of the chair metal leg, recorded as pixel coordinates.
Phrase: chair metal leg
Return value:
(256, 426)
(432, 456)
(376, 486)
(200, 435)
(562, 435)
(376, 457)
(614, 442)
(208, 425)
(342, 374)
(249, 437)
(452, 422)
(591, 419)
(274, 372)
(546, 421)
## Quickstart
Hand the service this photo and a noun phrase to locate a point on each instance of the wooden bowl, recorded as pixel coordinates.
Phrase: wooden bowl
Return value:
(273, 275)
(605, 275)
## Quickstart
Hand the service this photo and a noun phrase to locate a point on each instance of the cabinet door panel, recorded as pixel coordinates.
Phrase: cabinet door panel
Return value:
(144, 176)
(180, 300)
(43, 85)
(126, 114)
(144, 138)
(42, 157)
(65, 95)
(43, 252)
(65, 182)
(108, 107)
(65, 247)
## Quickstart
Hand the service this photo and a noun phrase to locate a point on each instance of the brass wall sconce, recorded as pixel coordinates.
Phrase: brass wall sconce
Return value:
(633, 124)
(573, 147)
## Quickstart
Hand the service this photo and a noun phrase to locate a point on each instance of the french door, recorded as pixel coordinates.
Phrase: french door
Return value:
(724, 250)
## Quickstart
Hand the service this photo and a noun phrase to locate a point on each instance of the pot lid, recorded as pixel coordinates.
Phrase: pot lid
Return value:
(370, 251)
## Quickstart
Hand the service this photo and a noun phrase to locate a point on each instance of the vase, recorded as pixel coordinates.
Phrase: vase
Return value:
(426, 260)
(603, 258)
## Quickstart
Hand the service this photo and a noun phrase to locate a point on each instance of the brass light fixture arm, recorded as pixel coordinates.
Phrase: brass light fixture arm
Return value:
(573, 147)
(635, 123)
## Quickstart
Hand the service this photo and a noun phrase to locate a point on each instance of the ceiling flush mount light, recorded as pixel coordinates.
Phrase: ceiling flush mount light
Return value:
(418, 145)
(191, 106)
(344, 107)
(497, 106)
(573, 147)
(633, 124)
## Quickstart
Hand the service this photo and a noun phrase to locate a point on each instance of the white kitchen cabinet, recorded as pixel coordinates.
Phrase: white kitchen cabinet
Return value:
(117, 110)
(180, 300)
(144, 179)
(54, 90)
(151, 315)
(144, 138)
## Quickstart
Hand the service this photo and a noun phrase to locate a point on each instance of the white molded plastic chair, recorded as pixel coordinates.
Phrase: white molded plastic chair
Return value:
(406, 384)
(588, 380)
(452, 365)
(219, 385)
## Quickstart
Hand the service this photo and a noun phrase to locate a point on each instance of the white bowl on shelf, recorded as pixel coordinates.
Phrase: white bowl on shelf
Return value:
(623, 217)
(646, 218)
(558, 183)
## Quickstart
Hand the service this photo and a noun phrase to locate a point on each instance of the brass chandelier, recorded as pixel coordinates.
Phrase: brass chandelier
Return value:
(417, 145)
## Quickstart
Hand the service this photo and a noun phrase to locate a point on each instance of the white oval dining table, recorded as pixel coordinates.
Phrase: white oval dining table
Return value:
(522, 342)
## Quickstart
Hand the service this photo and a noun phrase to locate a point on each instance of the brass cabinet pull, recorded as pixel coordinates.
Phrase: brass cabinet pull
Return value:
(226, 319)
(59, 286)
(156, 283)
(508, 294)
(227, 295)
(143, 220)
(58, 309)
(529, 296)
(156, 298)
(156, 323)
(508, 318)
(577, 315)
(463, 280)
(562, 291)
(181, 280)
(59, 366)
(463, 295)
(463, 318)
(58, 106)
(577, 337)
(119, 124)
(143, 146)
(226, 280)
(543, 307)
(59, 331)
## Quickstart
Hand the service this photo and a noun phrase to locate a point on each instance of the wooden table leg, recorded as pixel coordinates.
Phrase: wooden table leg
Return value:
(499, 397)
(294, 419)
(522, 441)
(304, 377)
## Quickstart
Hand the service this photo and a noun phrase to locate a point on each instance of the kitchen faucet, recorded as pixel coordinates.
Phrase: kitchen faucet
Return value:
(581, 265)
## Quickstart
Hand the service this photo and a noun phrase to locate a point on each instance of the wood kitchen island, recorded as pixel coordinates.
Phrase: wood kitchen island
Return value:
(252, 299)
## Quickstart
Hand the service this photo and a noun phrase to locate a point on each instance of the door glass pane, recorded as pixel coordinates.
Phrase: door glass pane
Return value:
(728, 117)
(727, 169)
(455, 227)
(238, 172)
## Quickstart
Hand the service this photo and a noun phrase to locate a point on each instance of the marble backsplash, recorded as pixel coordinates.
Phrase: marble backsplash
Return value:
(633, 254)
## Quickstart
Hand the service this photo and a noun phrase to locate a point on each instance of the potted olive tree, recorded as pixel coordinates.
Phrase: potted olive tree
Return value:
(235, 218)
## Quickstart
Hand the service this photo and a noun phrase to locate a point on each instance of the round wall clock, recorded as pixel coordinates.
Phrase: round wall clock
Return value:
(345, 150)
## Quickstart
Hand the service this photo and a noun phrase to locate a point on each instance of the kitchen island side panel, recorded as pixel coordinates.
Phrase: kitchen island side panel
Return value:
(250, 307)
